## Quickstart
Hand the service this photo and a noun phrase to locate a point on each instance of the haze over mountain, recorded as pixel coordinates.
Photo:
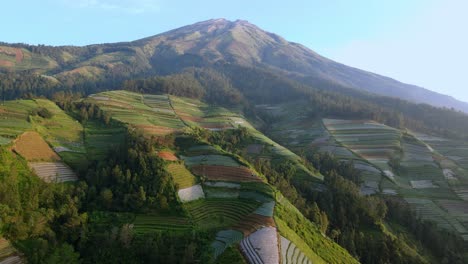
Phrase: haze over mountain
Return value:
(207, 43)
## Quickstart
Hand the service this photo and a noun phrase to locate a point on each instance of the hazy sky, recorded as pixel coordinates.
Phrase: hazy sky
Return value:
(422, 42)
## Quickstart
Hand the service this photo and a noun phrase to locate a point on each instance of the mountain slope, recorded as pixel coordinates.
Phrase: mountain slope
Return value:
(203, 44)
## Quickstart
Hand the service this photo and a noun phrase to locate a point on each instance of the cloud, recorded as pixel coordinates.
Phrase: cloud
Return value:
(126, 6)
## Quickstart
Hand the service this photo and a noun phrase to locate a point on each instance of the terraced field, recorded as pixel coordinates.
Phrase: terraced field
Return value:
(226, 173)
(215, 160)
(210, 214)
(429, 210)
(14, 116)
(148, 223)
(290, 254)
(253, 222)
(100, 139)
(196, 113)
(372, 141)
(183, 178)
(224, 239)
(53, 171)
(61, 131)
(261, 246)
(148, 113)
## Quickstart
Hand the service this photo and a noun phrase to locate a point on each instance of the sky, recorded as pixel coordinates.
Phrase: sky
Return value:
(421, 42)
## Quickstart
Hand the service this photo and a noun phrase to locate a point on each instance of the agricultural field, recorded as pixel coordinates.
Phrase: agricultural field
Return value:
(216, 213)
(224, 239)
(214, 160)
(151, 223)
(449, 215)
(290, 254)
(261, 246)
(226, 173)
(253, 222)
(32, 147)
(53, 171)
(100, 139)
(191, 193)
(151, 114)
(42, 159)
(183, 178)
(167, 155)
(14, 117)
(196, 113)
(372, 141)
(61, 131)
(18, 59)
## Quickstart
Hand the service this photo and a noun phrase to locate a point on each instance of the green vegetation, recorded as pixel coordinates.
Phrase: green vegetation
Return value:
(295, 227)
(148, 223)
(183, 178)
(212, 214)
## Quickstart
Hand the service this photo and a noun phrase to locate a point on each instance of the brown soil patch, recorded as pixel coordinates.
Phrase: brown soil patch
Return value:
(32, 147)
(156, 130)
(187, 117)
(252, 222)
(225, 173)
(4, 63)
(166, 155)
(19, 55)
(117, 104)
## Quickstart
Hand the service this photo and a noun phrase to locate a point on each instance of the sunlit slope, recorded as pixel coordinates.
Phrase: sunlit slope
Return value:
(219, 191)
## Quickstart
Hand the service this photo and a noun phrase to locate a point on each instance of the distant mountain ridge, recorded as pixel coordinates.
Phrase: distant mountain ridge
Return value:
(206, 43)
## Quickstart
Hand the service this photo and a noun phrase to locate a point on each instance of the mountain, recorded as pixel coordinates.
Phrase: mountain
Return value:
(207, 43)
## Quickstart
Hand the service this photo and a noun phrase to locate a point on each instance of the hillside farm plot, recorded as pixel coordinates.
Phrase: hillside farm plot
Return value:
(14, 119)
(32, 147)
(60, 130)
(167, 155)
(148, 113)
(191, 193)
(183, 178)
(53, 171)
(224, 239)
(423, 184)
(100, 139)
(266, 209)
(152, 223)
(214, 213)
(262, 246)
(196, 113)
(428, 210)
(226, 173)
(253, 222)
(290, 254)
(200, 150)
(373, 141)
(220, 192)
(219, 160)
